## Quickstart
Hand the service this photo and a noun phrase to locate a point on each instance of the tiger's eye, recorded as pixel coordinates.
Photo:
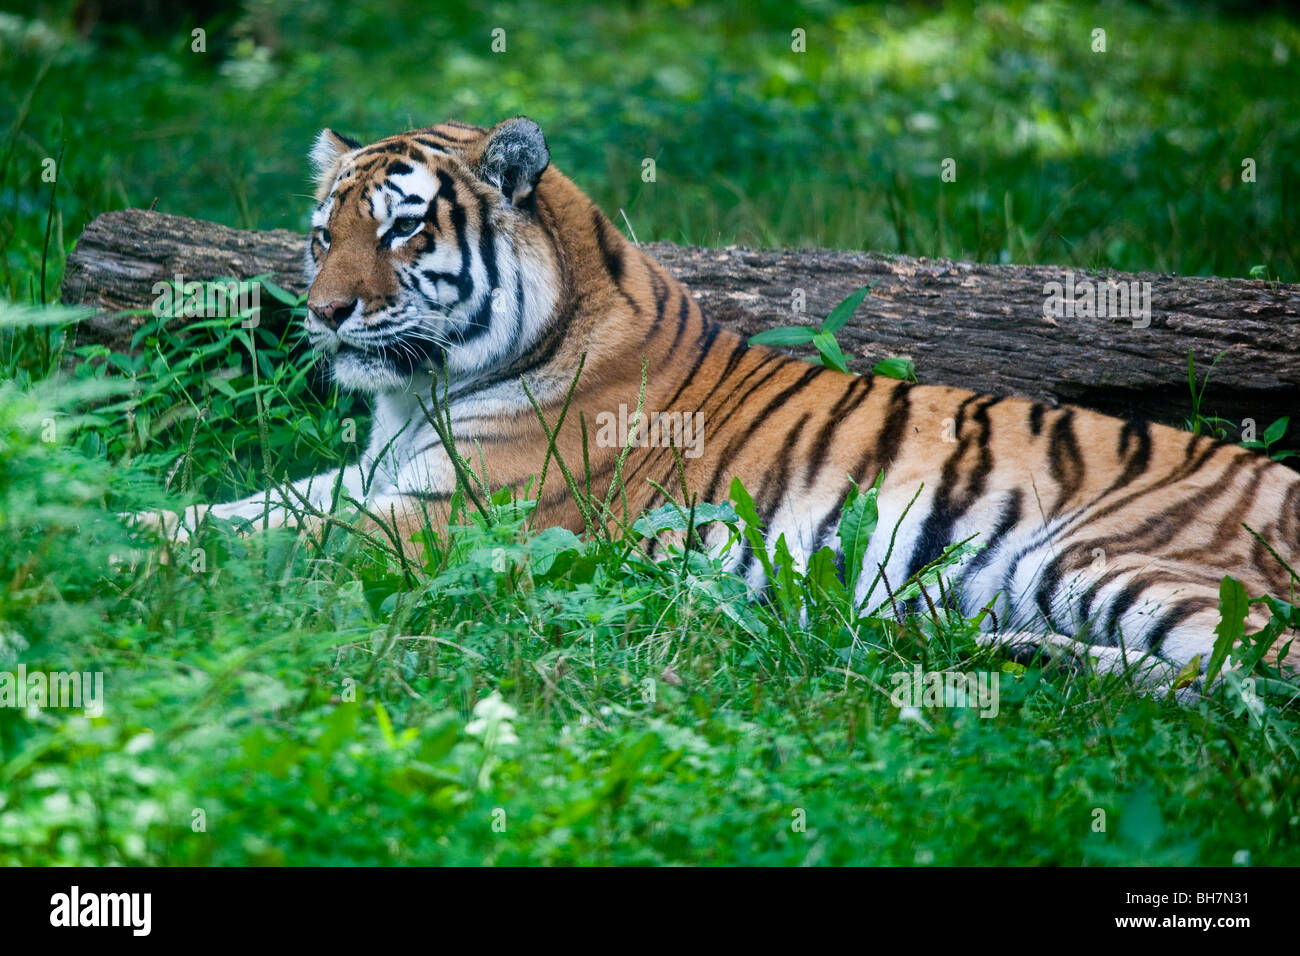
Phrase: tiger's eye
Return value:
(325, 236)
(406, 225)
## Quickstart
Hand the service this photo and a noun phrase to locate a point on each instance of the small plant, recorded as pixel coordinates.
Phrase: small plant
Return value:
(1254, 687)
(1272, 435)
(829, 352)
(1264, 274)
(1199, 423)
(823, 337)
(900, 368)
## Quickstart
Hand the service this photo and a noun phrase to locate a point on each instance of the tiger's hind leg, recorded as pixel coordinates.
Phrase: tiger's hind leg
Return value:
(1146, 621)
(1146, 670)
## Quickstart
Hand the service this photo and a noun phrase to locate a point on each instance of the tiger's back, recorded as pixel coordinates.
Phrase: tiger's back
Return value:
(1108, 531)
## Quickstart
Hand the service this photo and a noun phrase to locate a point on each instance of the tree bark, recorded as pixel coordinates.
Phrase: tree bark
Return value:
(981, 327)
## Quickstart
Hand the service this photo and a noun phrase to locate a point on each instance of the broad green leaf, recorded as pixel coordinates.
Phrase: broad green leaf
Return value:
(753, 529)
(900, 368)
(832, 356)
(385, 725)
(844, 311)
(783, 581)
(279, 293)
(223, 386)
(1233, 607)
(744, 504)
(822, 576)
(673, 517)
(1275, 431)
(739, 612)
(858, 519)
(550, 546)
(1189, 673)
(785, 336)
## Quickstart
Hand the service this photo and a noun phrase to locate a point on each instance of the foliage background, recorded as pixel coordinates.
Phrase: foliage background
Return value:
(1129, 159)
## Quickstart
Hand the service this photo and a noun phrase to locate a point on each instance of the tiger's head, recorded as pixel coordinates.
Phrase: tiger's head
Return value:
(426, 254)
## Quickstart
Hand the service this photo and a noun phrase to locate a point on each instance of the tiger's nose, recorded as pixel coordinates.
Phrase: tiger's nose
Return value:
(333, 313)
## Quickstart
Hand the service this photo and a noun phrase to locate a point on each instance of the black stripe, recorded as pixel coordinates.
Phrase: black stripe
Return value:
(1122, 603)
(543, 353)
(440, 139)
(1090, 595)
(848, 403)
(1048, 582)
(757, 421)
(737, 353)
(897, 415)
(610, 253)
(463, 279)
(1088, 516)
(950, 502)
(1181, 611)
(1153, 533)
(709, 332)
(481, 320)
(734, 403)
(1064, 463)
(436, 145)
(1036, 412)
(781, 477)
(1138, 434)
(1012, 512)
(1159, 528)
(363, 157)
(683, 313)
(660, 289)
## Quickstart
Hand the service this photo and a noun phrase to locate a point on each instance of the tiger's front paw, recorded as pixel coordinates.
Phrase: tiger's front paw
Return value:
(175, 526)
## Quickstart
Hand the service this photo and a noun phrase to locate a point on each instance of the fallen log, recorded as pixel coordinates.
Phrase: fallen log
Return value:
(1118, 343)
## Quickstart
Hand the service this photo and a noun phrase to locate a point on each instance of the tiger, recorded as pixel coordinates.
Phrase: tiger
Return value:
(454, 264)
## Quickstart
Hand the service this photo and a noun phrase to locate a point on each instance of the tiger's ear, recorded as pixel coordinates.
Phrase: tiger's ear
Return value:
(514, 158)
(326, 153)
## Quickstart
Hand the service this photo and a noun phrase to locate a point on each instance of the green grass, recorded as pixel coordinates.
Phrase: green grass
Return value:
(323, 703)
(516, 698)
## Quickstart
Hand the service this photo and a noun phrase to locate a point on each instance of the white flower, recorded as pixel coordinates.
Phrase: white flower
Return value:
(491, 722)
